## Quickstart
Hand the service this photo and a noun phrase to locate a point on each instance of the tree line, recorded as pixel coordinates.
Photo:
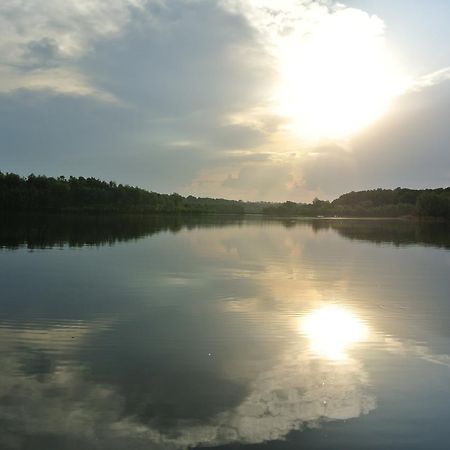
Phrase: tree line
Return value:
(399, 202)
(79, 194)
(39, 193)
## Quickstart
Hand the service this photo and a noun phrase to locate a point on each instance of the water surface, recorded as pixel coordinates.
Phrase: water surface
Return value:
(174, 333)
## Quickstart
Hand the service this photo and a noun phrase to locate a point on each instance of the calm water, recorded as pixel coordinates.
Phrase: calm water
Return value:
(159, 333)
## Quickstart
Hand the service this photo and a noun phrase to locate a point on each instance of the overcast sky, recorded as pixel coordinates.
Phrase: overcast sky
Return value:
(251, 99)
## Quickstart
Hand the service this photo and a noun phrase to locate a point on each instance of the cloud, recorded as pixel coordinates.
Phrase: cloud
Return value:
(184, 96)
(69, 29)
(160, 78)
(431, 79)
(255, 176)
(320, 168)
(409, 146)
(55, 81)
(276, 20)
(56, 34)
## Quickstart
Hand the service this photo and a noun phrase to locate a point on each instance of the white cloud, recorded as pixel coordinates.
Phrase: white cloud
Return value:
(275, 20)
(71, 25)
(59, 80)
(54, 33)
(431, 79)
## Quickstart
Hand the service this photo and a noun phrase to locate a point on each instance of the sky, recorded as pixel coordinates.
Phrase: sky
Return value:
(245, 99)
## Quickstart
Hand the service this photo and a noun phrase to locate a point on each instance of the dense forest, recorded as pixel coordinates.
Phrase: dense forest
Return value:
(79, 194)
(400, 202)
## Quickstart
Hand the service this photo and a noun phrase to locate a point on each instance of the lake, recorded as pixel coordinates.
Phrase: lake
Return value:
(221, 332)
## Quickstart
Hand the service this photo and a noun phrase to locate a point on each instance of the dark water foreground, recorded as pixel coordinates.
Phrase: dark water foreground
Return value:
(167, 333)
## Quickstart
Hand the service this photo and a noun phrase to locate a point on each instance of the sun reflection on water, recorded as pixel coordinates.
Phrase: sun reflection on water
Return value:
(332, 330)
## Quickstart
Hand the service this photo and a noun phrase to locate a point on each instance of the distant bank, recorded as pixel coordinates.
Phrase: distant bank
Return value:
(79, 194)
(399, 202)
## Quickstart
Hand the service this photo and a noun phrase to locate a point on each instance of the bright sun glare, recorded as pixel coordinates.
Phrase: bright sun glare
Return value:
(331, 330)
(337, 79)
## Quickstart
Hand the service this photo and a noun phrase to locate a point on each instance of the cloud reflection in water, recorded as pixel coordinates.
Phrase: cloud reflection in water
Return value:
(140, 377)
(298, 391)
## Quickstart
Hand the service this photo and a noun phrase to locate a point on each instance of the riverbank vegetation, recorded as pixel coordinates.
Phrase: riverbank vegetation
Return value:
(79, 194)
(400, 202)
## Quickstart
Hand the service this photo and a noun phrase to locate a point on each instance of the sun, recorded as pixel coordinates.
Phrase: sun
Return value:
(332, 330)
(338, 78)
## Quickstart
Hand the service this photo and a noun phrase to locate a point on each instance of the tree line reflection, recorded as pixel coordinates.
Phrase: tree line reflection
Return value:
(57, 230)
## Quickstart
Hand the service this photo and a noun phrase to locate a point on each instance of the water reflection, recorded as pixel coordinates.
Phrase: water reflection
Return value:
(300, 391)
(56, 230)
(210, 333)
(43, 397)
(41, 231)
(332, 330)
(57, 399)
